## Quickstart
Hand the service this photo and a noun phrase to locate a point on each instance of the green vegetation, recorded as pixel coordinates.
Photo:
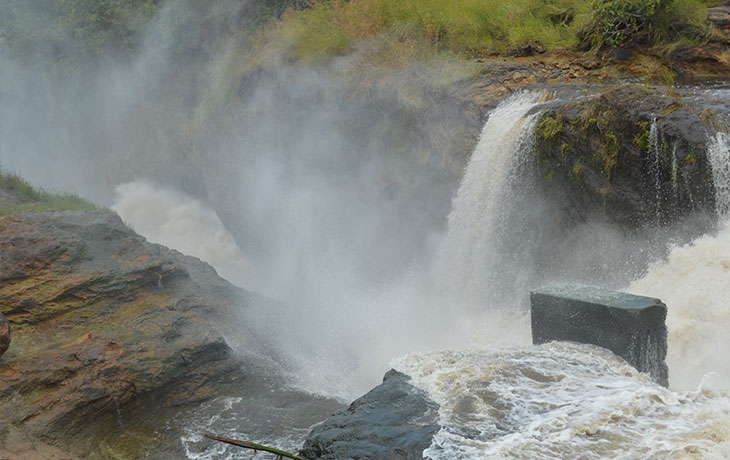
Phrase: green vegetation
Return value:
(615, 22)
(479, 27)
(549, 126)
(28, 198)
(642, 137)
(468, 27)
(66, 32)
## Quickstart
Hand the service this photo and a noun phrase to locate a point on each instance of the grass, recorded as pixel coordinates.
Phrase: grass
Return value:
(468, 28)
(33, 199)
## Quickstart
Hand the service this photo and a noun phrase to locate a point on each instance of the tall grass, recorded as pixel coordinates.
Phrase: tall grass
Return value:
(467, 27)
(32, 199)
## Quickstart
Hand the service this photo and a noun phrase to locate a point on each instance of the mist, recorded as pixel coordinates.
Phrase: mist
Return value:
(326, 187)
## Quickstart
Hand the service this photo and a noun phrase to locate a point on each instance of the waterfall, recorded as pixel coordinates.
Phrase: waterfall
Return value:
(693, 282)
(468, 258)
(718, 151)
(656, 168)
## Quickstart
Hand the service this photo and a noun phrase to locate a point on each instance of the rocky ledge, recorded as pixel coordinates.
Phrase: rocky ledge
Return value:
(101, 320)
(634, 156)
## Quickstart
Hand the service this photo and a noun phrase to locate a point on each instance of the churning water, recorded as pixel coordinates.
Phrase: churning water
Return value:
(554, 401)
(560, 401)
(563, 401)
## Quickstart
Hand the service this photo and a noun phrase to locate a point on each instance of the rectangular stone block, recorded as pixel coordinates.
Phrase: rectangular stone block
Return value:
(632, 327)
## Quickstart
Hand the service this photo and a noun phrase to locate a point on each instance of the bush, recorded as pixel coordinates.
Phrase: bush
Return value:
(618, 22)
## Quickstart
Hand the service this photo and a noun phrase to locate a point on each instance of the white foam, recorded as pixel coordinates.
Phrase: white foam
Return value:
(560, 401)
(694, 282)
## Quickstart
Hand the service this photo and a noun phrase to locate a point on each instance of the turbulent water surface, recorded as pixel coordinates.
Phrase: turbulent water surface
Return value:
(555, 401)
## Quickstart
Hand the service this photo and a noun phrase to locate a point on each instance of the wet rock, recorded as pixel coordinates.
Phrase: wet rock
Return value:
(4, 334)
(101, 320)
(630, 326)
(599, 162)
(395, 420)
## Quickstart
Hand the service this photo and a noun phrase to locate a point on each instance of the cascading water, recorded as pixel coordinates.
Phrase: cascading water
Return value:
(469, 269)
(718, 150)
(547, 402)
(578, 401)
(693, 283)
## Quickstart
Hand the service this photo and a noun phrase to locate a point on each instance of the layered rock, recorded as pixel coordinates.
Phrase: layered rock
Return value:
(101, 320)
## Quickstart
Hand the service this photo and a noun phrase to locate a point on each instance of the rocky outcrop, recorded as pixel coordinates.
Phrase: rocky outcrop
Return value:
(395, 420)
(102, 320)
(633, 156)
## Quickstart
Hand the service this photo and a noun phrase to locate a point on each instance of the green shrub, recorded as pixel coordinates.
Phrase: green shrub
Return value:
(617, 22)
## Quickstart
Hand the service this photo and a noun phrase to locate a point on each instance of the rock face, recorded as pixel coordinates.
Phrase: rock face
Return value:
(630, 326)
(4, 334)
(630, 156)
(395, 420)
(102, 318)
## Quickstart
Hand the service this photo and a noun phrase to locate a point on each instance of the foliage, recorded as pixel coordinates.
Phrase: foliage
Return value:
(617, 22)
(69, 31)
(642, 139)
(468, 27)
(549, 126)
(32, 199)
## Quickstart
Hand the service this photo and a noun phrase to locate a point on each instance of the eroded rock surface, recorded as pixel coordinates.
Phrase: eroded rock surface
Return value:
(101, 318)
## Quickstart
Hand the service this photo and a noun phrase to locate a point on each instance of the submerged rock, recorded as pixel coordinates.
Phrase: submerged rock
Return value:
(102, 320)
(395, 420)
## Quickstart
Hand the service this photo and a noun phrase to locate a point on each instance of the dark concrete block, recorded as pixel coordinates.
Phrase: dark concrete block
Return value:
(630, 326)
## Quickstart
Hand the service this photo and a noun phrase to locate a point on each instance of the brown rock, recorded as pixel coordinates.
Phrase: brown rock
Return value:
(100, 319)
(4, 334)
(712, 59)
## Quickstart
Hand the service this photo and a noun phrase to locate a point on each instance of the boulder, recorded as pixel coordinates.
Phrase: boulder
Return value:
(103, 319)
(630, 326)
(395, 420)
